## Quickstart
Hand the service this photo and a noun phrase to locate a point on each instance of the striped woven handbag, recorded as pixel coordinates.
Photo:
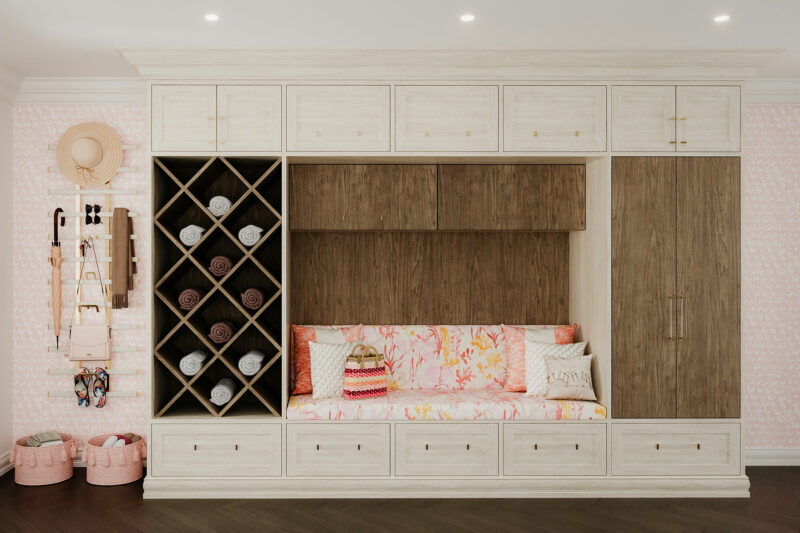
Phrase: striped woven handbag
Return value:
(364, 374)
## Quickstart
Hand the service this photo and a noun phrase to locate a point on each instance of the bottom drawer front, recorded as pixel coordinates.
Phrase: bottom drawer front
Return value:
(554, 449)
(446, 450)
(338, 450)
(198, 450)
(676, 449)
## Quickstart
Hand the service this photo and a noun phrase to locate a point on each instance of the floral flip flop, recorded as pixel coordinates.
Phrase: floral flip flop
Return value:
(82, 383)
(100, 387)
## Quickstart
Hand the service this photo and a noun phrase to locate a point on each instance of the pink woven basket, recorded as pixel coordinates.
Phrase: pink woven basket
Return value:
(113, 466)
(44, 465)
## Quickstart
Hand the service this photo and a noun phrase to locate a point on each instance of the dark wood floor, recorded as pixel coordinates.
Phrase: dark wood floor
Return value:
(76, 506)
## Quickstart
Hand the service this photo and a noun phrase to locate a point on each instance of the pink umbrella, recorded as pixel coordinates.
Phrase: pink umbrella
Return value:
(55, 261)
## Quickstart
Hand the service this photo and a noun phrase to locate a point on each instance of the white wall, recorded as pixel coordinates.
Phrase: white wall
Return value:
(6, 217)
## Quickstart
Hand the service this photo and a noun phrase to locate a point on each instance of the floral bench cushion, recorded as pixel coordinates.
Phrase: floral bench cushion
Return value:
(487, 404)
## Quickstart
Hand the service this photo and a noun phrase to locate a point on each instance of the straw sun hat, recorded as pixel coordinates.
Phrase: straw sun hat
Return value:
(89, 154)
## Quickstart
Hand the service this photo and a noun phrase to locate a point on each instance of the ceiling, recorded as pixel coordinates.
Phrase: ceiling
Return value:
(81, 37)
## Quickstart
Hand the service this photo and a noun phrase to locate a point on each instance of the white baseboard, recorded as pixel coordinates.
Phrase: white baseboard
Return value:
(5, 464)
(772, 457)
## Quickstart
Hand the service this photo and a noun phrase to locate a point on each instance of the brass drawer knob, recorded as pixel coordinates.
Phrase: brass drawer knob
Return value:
(467, 133)
(535, 133)
(577, 133)
(317, 133)
(427, 134)
(358, 133)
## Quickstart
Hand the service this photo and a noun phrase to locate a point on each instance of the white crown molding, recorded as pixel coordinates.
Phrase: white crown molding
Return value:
(455, 65)
(82, 91)
(772, 457)
(774, 92)
(9, 84)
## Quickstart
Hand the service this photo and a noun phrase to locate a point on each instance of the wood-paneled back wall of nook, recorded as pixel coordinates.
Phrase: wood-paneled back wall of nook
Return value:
(429, 278)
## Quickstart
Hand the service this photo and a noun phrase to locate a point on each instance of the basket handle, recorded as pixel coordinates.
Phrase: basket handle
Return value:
(365, 350)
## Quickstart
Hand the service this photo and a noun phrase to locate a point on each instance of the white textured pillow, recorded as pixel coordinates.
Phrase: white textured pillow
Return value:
(327, 368)
(535, 367)
(570, 379)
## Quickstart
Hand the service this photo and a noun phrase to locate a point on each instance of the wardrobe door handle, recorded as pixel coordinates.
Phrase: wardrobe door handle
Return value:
(682, 333)
(671, 318)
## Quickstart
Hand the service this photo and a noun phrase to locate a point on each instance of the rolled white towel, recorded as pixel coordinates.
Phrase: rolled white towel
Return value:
(192, 363)
(191, 234)
(250, 363)
(223, 392)
(250, 234)
(219, 205)
(110, 441)
(52, 443)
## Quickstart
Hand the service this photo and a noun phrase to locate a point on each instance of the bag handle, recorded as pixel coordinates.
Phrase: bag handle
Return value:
(85, 245)
(365, 350)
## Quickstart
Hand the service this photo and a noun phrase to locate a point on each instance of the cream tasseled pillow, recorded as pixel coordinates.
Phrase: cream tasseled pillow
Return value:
(327, 368)
(570, 379)
(535, 368)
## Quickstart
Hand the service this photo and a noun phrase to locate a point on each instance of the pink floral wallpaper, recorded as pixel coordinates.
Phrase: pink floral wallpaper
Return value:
(771, 277)
(770, 281)
(36, 126)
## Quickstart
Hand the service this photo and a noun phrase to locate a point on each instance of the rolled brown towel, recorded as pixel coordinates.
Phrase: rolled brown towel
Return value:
(220, 265)
(188, 298)
(252, 299)
(221, 332)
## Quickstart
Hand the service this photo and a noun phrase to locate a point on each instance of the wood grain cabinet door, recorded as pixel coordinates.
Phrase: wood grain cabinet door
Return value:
(708, 357)
(709, 118)
(467, 197)
(643, 118)
(554, 118)
(643, 278)
(249, 118)
(318, 198)
(391, 197)
(184, 118)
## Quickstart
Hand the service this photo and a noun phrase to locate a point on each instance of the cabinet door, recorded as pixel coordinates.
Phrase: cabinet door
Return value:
(708, 119)
(249, 118)
(318, 198)
(708, 284)
(362, 197)
(643, 287)
(467, 197)
(447, 118)
(328, 118)
(541, 197)
(184, 118)
(554, 118)
(391, 197)
(643, 118)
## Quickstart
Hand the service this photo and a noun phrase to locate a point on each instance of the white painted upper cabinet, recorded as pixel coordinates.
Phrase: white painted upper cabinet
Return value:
(184, 118)
(446, 118)
(643, 118)
(328, 118)
(554, 118)
(708, 118)
(249, 118)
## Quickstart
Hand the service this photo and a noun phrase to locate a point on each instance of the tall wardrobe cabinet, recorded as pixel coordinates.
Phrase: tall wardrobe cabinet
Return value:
(675, 283)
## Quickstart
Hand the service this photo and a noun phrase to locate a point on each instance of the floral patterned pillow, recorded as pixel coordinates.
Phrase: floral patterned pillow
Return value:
(515, 348)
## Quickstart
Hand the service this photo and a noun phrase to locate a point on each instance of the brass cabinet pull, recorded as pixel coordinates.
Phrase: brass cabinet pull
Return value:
(220, 117)
(577, 133)
(658, 447)
(317, 447)
(576, 446)
(684, 142)
(210, 118)
(671, 118)
(427, 134)
(426, 446)
(317, 133)
(358, 133)
(535, 133)
(221, 142)
(672, 142)
(682, 322)
(682, 118)
(467, 446)
(236, 447)
(212, 142)
(195, 447)
(671, 318)
(698, 445)
(535, 446)
(467, 133)
(358, 447)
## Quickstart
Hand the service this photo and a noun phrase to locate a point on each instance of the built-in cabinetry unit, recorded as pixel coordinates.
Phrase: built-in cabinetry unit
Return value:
(668, 118)
(675, 287)
(452, 196)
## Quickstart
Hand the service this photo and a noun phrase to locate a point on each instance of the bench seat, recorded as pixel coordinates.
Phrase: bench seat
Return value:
(444, 405)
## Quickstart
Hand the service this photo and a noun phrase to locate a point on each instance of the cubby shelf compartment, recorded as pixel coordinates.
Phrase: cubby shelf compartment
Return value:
(182, 188)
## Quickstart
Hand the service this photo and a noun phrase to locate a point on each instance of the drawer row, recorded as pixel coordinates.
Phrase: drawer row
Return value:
(450, 449)
(444, 118)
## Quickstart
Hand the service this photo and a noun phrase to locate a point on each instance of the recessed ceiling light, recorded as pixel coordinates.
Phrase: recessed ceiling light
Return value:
(212, 17)
(722, 18)
(467, 17)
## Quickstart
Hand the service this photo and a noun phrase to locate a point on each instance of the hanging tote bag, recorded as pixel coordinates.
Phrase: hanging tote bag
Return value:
(364, 374)
(89, 342)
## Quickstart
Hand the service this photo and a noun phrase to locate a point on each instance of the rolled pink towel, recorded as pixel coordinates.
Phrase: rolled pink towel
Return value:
(252, 299)
(221, 332)
(188, 298)
(220, 265)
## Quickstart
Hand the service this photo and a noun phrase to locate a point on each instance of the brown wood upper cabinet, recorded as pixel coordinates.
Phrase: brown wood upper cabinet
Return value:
(362, 197)
(512, 197)
(675, 283)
